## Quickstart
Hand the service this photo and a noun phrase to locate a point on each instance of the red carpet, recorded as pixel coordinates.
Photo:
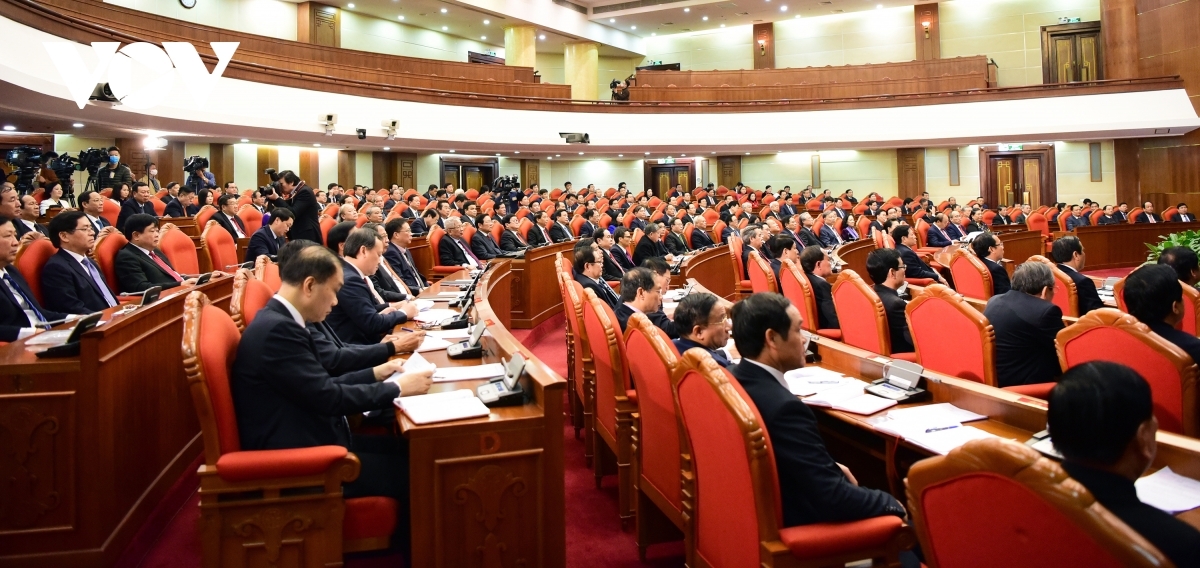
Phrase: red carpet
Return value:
(594, 536)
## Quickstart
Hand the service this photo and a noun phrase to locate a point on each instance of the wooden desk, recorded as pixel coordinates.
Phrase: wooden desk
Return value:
(490, 488)
(1020, 245)
(854, 255)
(535, 296)
(712, 268)
(423, 257)
(93, 443)
(1124, 245)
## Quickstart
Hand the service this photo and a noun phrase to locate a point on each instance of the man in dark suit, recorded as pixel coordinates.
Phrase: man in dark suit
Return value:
(178, 207)
(816, 267)
(887, 271)
(361, 316)
(1068, 253)
(26, 222)
(641, 292)
(139, 202)
(803, 230)
(482, 243)
(560, 230)
(1025, 323)
(752, 240)
(651, 245)
(398, 256)
(387, 282)
(954, 228)
(1122, 212)
(284, 397)
(1154, 296)
(510, 239)
(1182, 216)
(268, 239)
(914, 267)
(1148, 215)
(226, 216)
(92, 204)
(20, 313)
(613, 270)
(452, 250)
(588, 228)
(1077, 219)
(1101, 417)
(539, 234)
(937, 237)
(700, 236)
(139, 264)
(1023, 216)
(622, 249)
(72, 282)
(813, 487)
(300, 198)
(990, 251)
(674, 240)
(703, 323)
(829, 236)
(589, 273)
(640, 217)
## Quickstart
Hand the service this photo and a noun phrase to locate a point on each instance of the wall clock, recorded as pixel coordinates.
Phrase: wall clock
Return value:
(188, 3)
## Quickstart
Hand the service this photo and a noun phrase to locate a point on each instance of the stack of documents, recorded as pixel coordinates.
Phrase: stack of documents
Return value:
(849, 396)
(936, 427)
(449, 334)
(1169, 491)
(808, 381)
(435, 315)
(469, 373)
(431, 343)
(442, 406)
(423, 305)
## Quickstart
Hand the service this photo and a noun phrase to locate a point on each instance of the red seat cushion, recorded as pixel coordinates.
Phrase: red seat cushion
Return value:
(270, 464)
(631, 395)
(744, 284)
(369, 517)
(834, 334)
(828, 539)
(1036, 390)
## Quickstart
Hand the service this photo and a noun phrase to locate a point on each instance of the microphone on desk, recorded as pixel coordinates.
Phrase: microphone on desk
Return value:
(247, 264)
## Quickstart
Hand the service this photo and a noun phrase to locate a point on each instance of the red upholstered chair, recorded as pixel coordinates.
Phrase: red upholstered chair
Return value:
(731, 487)
(937, 318)
(794, 285)
(718, 227)
(1169, 212)
(267, 272)
(104, 252)
(688, 229)
(245, 199)
(110, 212)
(204, 215)
(615, 400)
(580, 364)
(576, 224)
(249, 295)
(711, 215)
(179, 248)
(160, 208)
(326, 222)
(862, 316)
(254, 502)
(860, 208)
(468, 232)
(251, 218)
(922, 230)
(652, 359)
(524, 227)
(971, 276)
(219, 246)
(436, 234)
(331, 210)
(1066, 295)
(31, 257)
(762, 278)
(818, 222)
(997, 502)
(1133, 214)
(1191, 310)
(864, 226)
(1107, 334)
(884, 240)
(735, 252)
(361, 220)
(1095, 217)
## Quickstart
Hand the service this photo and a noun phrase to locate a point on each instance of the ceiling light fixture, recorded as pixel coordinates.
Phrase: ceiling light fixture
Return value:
(647, 153)
(350, 5)
(316, 145)
(486, 22)
(652, 34)
(722, 25)
(633, 27)
(78, 125)
(484, 38)
(386, 148)
(581, 153)
(705, 18)
(516, 151)
(879, 6)
(543, 36)
(497, 155)
(444, 28)
(558, 155)
(245, 140)
(687, 9)
(451, 151)
(401, 17)
(783, 8)
(612, 20)
(444, 10)
(9, 127)
(549, 157)
(620, 155)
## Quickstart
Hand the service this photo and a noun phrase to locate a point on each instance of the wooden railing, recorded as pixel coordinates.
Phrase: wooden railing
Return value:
(927, 69)
(817, 91)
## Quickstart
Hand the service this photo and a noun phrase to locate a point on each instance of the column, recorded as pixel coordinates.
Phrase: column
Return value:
(520, 46)
(581, 69)
(1119, 28)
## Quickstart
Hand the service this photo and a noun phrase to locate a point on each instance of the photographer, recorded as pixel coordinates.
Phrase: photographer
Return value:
(199, 177)
(620, 89)
(303, 202)
(115, 173)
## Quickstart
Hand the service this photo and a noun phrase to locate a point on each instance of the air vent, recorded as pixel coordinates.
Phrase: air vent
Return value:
(742, 14)
(629, 5)
(668, 23)
(826, 3)
(571, 5)
(838, 11)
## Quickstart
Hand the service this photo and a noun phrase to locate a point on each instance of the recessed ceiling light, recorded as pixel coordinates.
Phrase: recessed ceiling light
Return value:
(401, 17)
(687, 9)
(386, 148)
(9, 127)
(78, 125)
(558, 155)
(879, 6)
(317, 145)
(797, 16)
(633, 27)
(486, 22)
(581, 153)
(484, 38)
(612, 20)
(543, 36)
(549, 157)
(705, 18)
(683, 155)
(712, 152)
(652, 34)
(516, 151)
(620, 155)
(350, 5)
(451, 151)
(444, 28)
(497, 154)
(747, 153)
(245, 139)
(647, 153)
(783, 8)
(444, 10)
(722, 25)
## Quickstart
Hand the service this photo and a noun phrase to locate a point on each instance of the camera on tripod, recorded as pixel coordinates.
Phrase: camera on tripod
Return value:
(505, 184)
(27, 162)
(194, 163)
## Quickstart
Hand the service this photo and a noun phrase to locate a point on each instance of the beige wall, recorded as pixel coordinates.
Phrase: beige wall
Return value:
(937, 174)
(367, 33)
(1073, 163)
(728, 48)
(873, 36)
(863, 171)
(1008, 31)
(273, 18)
(550, 67)
(603, 173)
(245, 165)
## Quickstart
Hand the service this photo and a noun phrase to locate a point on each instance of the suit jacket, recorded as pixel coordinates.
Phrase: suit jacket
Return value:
(727, 232)
(136, 272)
(1183, 340)
(537, 238)
(1025, 327)
(612, 269)
(658, 318)
(1020, 219)
(1177, 540)
(955, 231)
(228, 223)
(587, 229)
(601, 289)
(339, 358)
(937, 238)
(102, 224)
(622, 257)
(1109, 220)
(449, 253)
(386, 287)
(675, 243)
(307, 212)
(786, 209)
(418, 226)
(12, 317)
(974, 227)
(823, 292)
(894, 305)
(808, 238)
(701, 239)
(1145, 217)
(746, 259)
(1088, 298)
(1122, 217)
(560, 234)
(1000, 281)
(1081, 221)
(683, 344)
(132, 207)
(70, 289)
(1182, 218)
(174, 208)
(404, 265)
(511, 241)
(284, 397)
(637, 224)
(22, 228)
(484, 246)
(647, 248)
(828, 237)
(914, 267)
(812, 487)
(263, 241)
(356, 317)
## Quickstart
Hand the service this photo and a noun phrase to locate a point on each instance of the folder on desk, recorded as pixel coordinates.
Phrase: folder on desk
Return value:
(850, 397)
(442, 407)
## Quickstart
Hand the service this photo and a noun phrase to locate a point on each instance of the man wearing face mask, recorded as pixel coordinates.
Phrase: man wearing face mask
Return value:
(115, 173)
(151, 178)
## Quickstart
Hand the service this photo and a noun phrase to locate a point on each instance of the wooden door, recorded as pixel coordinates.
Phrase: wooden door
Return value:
(683, 176)
(472, 177)
(662, 181)
(1005, 192)
(1016, 179)
(1031, 179)
(450, 174)
(1072, 53)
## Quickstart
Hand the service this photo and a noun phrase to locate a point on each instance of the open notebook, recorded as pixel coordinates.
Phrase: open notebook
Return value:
(442, 406)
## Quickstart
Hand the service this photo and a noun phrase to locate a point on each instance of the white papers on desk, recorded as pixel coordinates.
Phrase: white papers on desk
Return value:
(435, 315)
(449, 334)
(49, 338)
(461, 283)
(850, 397)
(941, 441)
(1169, 491)
(442, 406)
(470, 373)
(445, 296)
(431, 343)
(423, 305)
(808, 381)
(416, 363)
(935, 427)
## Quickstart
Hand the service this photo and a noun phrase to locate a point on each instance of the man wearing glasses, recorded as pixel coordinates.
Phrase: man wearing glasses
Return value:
(703, 322)
(887, 271)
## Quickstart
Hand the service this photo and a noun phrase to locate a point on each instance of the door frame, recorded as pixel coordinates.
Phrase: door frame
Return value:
(649, 165)
(1049, 181)
(460, 162)
(1070, 29)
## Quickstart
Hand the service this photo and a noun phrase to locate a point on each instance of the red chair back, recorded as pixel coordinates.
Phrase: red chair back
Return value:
(179, 248)
(1001, 501)
(31, 257)
(110, 212)
(251, 218)
(204, 215)
(222, 251)
(326, 223)
(104, 252)
(603, 335)
(1191, 309)
(971, 276)
(938, 317)
(735, 251)
(861, 314)
(718, 227)
(1037, 222)
(1107, 334)
(267, 272)
(249, 296)
(652, 360)
(864, 226)
(794, 285)
(573, 297)
(468, 233)
(1066, 295)
(1133, 214)
(762, 277)
(160, 208)
(210, 344)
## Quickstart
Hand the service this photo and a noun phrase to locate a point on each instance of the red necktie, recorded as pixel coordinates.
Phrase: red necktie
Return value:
(165, 268)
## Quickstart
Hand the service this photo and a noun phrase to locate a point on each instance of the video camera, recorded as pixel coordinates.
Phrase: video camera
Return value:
(194, 163)
(505, 184)
(27, 162)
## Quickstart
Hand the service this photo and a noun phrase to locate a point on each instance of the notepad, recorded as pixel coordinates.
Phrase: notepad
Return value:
(442, 406)
(449, 334)
(416, 363)
(423, 305)
(462, 283)
(1169, 491)
(469, 373)
(808, 381)
(431, 343)
(435, 315)
(941, 440)
(901, 421)
(850, 397)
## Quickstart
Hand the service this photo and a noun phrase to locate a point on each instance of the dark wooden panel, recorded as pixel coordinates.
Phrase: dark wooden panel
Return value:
(310, 168)
(764, 46)
(530, 172)
(220, 162)
(406, 170)
(927, 29)
(1020, 245)
(814, 75)
(976, 80)
(910, 166)
(1120, 246)
(268, 157)
(535, 296)
(712, 269)
(729, 170)
(346, 167)
(1127, 175)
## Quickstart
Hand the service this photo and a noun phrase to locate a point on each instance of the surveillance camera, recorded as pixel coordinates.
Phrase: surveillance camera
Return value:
(576, 137)
(390, 124)
(362, 133)
(329, 119)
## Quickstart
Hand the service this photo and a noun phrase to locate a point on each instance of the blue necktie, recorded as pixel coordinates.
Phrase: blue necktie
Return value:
(99, 282)
(32, 305)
